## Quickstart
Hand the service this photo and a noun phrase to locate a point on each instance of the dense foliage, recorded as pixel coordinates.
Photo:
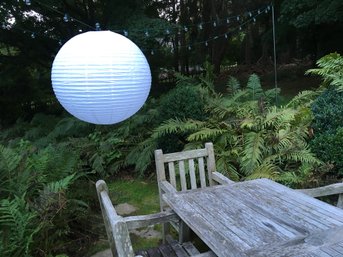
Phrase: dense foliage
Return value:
(253, 137)
(327, 110)
(45, 201)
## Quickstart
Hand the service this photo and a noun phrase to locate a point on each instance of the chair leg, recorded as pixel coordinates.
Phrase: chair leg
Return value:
(184, 232)
(165, 232)
(340, 201)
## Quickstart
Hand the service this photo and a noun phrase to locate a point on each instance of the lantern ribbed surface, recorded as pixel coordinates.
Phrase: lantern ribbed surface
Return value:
(101, 77)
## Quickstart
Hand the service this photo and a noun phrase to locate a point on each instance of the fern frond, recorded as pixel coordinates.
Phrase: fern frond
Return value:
(330, 68)
(206, 134)
(60, 185)
(9, 159)
(224, 107)
(279, 117)
(175, 126)
(298, 178)
(265, 170)
(142, 154)
(254, 87)
(233, 85)
(252, 151)
(15, 221)
(271, 94)
(303, 156)
(305, 97)
(225, 166)
(193, 145)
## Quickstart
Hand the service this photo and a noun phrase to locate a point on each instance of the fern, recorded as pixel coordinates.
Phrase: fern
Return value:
(176, 126)
(252, 152)
(233, 85)
(16, 223)
(60, 185)
(254, 87)
(206, 134)
(279, 117)
(9, 159)
(330, 68)
(266, 170)
(141, 156)
(303, 156)
(303, 98)
(272, 94)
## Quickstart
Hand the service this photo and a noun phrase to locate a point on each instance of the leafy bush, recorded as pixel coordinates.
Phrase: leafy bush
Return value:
(327, 112)
(183, 102)
(327, 125)
(329, 148)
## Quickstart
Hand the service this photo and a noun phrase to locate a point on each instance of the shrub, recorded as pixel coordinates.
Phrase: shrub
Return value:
(327, 112)
(183, 102)
(329, 148)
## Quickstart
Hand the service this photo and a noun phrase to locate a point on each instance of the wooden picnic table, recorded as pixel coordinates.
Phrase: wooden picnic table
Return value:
(260, 218)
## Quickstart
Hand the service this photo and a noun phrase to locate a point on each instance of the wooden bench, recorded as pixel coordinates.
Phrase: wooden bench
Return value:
(186, 170)
(117, 229)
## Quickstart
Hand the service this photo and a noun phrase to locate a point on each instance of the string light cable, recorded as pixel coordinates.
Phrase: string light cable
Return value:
(242, 20)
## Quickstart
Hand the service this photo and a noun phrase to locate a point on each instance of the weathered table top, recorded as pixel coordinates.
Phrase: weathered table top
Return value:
(260, 218)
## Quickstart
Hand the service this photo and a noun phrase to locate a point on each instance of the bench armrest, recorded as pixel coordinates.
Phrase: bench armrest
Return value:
(140, 221)
(166, 187)
(334, 189)
(221, 179)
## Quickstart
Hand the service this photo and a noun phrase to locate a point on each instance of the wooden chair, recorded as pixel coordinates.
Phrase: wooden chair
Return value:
(117, 229)
(333, 189)
(186, 170)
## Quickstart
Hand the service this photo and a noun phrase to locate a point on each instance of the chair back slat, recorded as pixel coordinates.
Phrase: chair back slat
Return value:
(211, 163)
(192, 173)
(172, 157)
(172, 176)
(182, 175)
(202, 174)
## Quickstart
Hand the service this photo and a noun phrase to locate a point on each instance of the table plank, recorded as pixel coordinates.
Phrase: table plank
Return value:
(201, 223)
(319, 207)
(251, 226)
(287, 210)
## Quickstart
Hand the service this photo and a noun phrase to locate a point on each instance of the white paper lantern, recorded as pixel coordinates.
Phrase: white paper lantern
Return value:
(101, 77)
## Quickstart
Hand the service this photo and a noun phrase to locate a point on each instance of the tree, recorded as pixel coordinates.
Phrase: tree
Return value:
(316, 25)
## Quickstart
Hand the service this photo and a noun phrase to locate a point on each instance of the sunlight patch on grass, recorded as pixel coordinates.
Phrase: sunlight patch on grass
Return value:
(143, 195)
(139, 193)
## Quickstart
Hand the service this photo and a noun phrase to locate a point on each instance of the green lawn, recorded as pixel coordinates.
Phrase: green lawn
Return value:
(143, 194)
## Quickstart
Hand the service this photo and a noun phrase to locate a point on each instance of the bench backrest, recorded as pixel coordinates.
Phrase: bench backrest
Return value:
(188, 169)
